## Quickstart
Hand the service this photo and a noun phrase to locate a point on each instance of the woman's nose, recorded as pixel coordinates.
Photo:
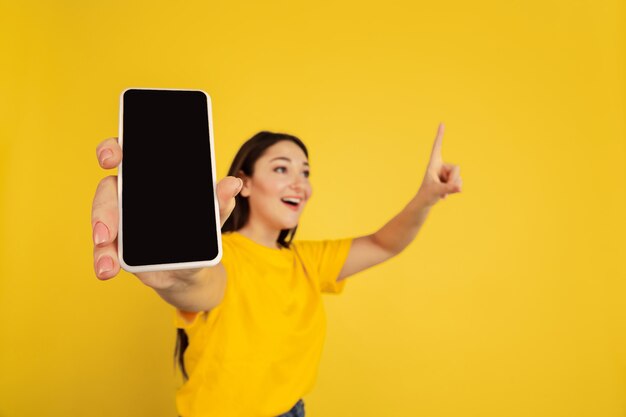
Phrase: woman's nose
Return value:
(300, 185)
(297, 182)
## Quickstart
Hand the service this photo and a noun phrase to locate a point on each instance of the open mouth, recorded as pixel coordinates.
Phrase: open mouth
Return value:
(292, 202)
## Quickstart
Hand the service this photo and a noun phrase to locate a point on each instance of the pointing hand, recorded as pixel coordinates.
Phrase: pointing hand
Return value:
(441, 178)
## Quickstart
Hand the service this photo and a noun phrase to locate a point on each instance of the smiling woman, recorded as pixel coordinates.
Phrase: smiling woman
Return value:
(251, 329)
(278, 156)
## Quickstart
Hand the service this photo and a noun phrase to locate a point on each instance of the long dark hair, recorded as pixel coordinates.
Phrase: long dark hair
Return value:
(244, 162)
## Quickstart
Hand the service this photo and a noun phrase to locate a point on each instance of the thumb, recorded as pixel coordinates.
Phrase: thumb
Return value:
(227, 189)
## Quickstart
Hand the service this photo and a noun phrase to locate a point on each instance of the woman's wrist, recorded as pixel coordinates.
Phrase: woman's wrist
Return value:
(420, 203)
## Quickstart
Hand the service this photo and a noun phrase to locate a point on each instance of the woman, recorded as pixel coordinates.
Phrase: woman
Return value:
(251, 329)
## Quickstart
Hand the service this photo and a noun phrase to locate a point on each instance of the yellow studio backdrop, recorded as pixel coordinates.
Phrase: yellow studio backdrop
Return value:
(509, 303)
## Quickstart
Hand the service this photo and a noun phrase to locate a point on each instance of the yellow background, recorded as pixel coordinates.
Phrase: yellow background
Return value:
(511, 301)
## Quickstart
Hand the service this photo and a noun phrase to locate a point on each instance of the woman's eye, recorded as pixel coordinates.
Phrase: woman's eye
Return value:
(306, 174)
(280, 169)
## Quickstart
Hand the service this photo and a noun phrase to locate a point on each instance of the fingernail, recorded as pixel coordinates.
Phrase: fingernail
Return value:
(104, 155)
(105, 265)
(100, 233)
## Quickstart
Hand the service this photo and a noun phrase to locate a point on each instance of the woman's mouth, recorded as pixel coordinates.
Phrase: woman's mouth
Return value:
(292, 202)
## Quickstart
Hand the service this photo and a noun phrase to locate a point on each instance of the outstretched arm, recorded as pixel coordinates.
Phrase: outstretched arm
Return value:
(440, 180)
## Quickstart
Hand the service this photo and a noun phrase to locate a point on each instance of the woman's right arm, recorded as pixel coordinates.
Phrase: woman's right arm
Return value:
(192, 290)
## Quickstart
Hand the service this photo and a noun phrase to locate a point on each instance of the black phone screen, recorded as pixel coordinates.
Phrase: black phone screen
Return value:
(167, 205)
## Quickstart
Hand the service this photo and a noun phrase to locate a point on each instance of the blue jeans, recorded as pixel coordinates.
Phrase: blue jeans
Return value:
(296, 411)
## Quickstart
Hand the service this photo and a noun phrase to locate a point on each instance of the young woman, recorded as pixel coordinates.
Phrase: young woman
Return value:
(251, 329)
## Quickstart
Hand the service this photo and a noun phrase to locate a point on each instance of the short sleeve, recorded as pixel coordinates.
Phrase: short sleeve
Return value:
(327, 258)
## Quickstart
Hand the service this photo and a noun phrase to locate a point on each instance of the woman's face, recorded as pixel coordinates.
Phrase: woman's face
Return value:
(279, 187)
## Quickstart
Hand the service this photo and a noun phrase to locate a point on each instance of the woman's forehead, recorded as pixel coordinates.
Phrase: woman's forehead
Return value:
(285, 149)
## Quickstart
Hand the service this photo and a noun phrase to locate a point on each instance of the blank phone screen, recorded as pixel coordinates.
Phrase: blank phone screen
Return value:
(168, 213)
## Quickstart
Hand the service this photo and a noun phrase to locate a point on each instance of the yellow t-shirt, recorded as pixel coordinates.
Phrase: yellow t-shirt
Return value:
(257, 353)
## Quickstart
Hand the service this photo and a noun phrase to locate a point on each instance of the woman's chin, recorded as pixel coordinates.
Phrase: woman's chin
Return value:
(289, 226)
(290, 223)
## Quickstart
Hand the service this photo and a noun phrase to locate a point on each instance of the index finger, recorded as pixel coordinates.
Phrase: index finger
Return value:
(436, 152)
(109, 153)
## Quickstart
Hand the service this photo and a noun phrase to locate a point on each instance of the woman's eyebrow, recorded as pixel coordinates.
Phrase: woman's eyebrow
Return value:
(288, 160)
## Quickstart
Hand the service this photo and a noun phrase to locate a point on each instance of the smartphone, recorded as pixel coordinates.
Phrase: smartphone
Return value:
(168, 209)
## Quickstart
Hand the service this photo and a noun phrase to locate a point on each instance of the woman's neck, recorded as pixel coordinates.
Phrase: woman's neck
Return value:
(261, 235)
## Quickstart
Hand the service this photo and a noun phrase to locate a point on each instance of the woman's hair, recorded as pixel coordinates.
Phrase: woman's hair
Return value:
(244, 162)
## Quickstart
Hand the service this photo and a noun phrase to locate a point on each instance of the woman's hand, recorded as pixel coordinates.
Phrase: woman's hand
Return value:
(441, 178)
(105, 220)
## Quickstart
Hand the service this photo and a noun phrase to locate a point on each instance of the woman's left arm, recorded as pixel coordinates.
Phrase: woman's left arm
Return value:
(440, 180)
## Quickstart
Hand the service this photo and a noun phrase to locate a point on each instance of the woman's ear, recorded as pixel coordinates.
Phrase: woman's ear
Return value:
(245, 188)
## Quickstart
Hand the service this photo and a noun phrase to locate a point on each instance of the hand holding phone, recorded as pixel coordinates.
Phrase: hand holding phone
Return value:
(106, 217)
